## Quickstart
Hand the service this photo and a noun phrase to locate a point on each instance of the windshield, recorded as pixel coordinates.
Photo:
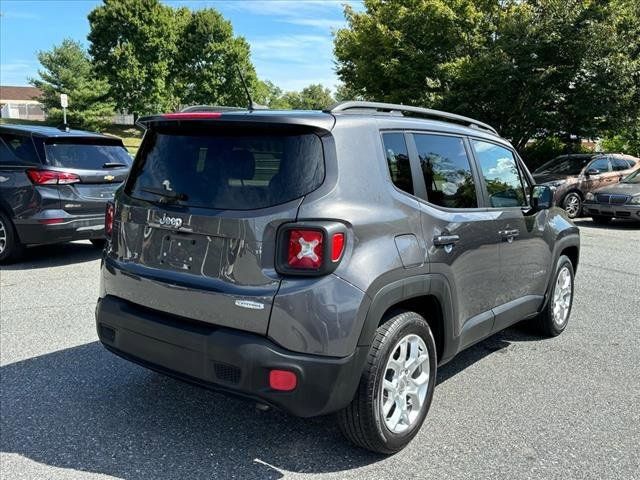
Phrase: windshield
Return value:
(87, 156)
(633, 178)
(564, 165)
(230, 171)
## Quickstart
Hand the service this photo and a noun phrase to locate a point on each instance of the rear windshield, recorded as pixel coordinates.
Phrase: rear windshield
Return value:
(227, 171)
(87, 156)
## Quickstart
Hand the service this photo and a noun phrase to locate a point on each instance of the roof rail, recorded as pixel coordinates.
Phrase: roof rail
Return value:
(210, 108)
(425, 112)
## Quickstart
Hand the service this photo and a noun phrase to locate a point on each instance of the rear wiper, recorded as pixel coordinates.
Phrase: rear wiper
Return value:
(167, 195)
(114, 165)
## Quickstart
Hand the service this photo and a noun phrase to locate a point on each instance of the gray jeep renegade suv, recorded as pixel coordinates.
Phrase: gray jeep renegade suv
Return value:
(328, 261)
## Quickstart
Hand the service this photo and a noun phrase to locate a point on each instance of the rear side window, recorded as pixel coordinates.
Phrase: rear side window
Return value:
(20, 148)
(398, 161)
(618, 164)
(229, 171)
(447, 171)
(85, 156)
(501, 175)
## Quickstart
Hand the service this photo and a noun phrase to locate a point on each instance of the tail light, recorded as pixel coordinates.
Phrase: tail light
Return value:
(108, 219)
(51, 177)
(310, 248)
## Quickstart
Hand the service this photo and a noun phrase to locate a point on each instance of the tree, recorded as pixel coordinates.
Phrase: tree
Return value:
(67, 69)
(134, 44)
(312, 97)
(208, 60)
(531, 68)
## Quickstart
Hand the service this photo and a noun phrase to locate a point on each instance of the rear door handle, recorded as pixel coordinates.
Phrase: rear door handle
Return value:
(509, 235)
(444, 240)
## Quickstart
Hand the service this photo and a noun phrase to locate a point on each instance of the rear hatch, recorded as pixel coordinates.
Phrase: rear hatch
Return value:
(101, 164)
(196, 225)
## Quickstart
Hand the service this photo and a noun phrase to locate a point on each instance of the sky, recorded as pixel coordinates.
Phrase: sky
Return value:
(291, 40)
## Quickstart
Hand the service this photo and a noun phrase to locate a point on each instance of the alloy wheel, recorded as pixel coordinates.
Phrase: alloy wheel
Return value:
(405, 383)
(3, 237)
(562, 294)
(572, 205)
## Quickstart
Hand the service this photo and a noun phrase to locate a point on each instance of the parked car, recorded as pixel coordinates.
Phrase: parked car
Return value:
(54, 185)
(621, 200)
(573, 176)
(328, 261)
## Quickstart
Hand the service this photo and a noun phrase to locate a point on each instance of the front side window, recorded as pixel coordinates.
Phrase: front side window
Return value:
(446, 170)
(601, 165)
(501, 175)
(397, 155)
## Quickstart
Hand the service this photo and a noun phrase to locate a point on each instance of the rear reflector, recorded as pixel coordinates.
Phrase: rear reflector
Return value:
(51, 221)
(51, 177)
(108, 219)
(305, 249)
(192, 115)
(282, 380)
(337, 246)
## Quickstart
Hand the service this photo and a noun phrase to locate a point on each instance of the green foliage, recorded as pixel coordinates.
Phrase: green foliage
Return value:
(206, 67)
(532, 68)
(134, 44)
(158, 58)
(627, 141)
(313, 97)
(67, 69)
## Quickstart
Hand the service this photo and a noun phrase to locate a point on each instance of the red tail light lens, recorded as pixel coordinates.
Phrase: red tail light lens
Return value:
(337, 246)
(282, 380)
(51, 177)
(108, 219)
(305, 249)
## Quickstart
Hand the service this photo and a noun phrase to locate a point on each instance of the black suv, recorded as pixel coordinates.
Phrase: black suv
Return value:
(54, 185)
(328, 261)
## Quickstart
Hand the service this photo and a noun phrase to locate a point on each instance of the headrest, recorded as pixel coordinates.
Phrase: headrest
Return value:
(241, 165)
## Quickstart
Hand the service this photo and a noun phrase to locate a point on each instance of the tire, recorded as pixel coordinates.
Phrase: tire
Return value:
(572, 204)
(363, 421)
(10, 247)
(98, 242)
(551, 321)
(601, 220)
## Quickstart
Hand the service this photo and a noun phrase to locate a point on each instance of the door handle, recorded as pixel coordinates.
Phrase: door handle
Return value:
(509, 235)
(444, 240)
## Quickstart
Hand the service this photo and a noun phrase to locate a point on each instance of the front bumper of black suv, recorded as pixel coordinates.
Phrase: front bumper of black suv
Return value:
(226, 359)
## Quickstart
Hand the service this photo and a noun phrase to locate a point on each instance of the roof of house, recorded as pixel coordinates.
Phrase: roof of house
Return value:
(19, 93)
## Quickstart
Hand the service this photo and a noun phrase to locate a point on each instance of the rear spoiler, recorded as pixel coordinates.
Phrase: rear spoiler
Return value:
(315, 120)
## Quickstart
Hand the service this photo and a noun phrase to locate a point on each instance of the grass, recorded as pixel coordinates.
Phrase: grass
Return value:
(130, 135)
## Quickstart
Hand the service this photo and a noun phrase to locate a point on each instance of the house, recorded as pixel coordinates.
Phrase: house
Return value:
(20, 103)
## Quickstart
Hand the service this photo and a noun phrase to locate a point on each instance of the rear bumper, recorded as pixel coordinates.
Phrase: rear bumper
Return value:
(608, 210)
(226, 359)
(33, 231)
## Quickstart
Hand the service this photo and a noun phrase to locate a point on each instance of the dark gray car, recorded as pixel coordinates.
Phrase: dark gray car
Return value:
(621, 200)
(55, 184)
(328, 261)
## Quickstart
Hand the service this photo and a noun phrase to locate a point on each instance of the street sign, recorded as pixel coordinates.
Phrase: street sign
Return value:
(64, 100)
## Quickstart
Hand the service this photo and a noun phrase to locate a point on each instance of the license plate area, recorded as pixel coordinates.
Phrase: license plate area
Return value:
(181, 252)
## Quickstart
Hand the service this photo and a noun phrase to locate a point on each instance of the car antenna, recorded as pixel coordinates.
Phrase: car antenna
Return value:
(252, 105)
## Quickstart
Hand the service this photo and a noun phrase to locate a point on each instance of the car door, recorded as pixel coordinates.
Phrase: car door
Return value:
(458, 233)
(597, 174)
(525, 257)
(620, 167)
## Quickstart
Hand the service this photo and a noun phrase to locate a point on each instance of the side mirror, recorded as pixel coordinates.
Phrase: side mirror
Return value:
(541, 197)
(592, 171)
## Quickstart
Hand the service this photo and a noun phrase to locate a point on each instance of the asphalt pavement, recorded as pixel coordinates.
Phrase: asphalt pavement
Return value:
(512, 407)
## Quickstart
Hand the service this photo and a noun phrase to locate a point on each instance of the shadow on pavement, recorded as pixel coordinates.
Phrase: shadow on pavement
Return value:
(615, 224)
(87, 410)
(46, 256)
